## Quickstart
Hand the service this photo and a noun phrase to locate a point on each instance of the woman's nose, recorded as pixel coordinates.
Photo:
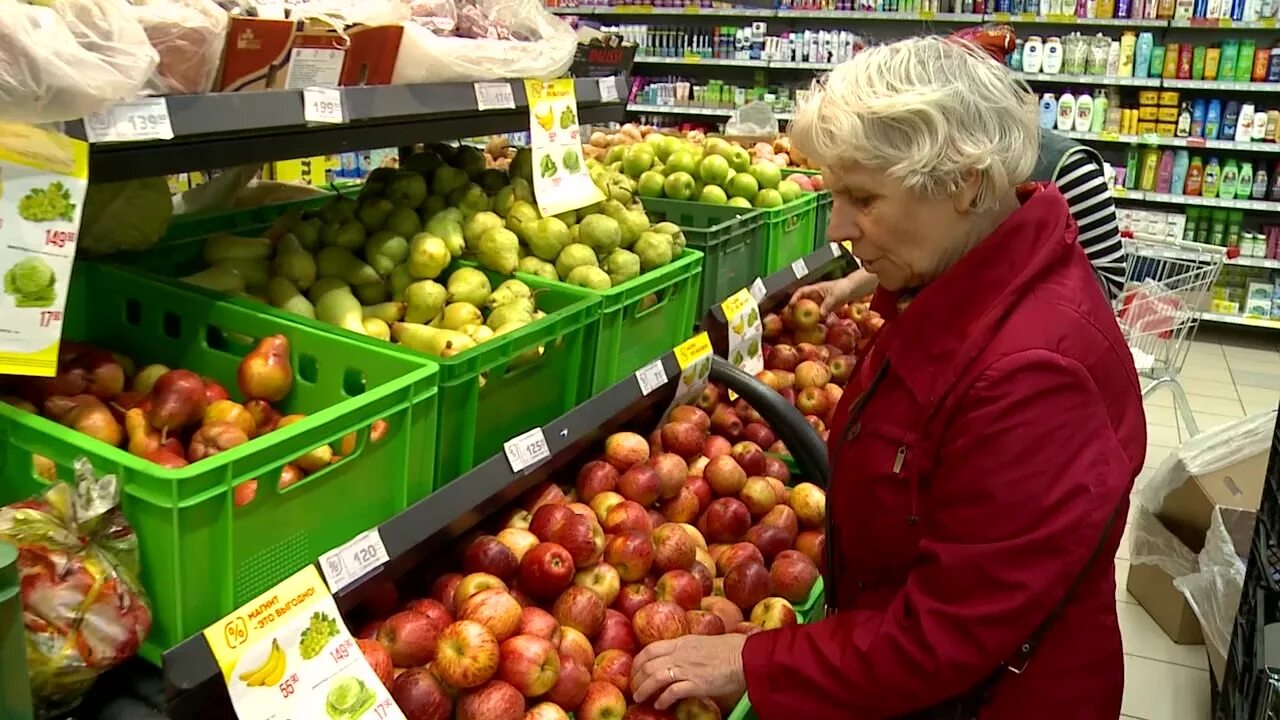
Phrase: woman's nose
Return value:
(843, 224)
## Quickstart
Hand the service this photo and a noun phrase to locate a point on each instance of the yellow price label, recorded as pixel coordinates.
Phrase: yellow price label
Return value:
(736, 303)
(1108, 135)
(1224, 22)
(1150, 138)
(1027, 17)
(1063, 19)
(692, 10)
(693, 349)
(1267, 22)
(691, 58)
(263, 616)
(634, 9)
(926, 14)
(1119, 192)
(1003, 17)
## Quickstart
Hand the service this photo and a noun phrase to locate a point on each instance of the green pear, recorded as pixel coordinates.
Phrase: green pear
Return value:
(539, 267)
(404, 221)
(385, 250)
(349, 235)
(547, 237)
(601, 233)
(508, 292)
(428, 256)
(450, 231)
(294, 263)
(308, 233)
(339, 307)
(425, 301)
(521, 218)
(387, 312)
(589, 277)
(522, 189)
(284, 294)
(457, 314)
(469, 285)
(622, 265)
(372, 293)
(323, 286)
(400, 279)
(336, 262)
(632, 223)
(509, 313)
(477, 225)
(373, 213)
(407, 188)
(429, 340)
(573, 256)
(654, 250)
(503, 201)
(498, 250)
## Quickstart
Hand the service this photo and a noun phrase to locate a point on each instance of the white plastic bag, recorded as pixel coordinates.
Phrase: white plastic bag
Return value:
(1213, 591)
(541, 47)
(69, 59)
(189, 36)
(344, 13)
(755, 119)
(1209, 452)
(1151, 543)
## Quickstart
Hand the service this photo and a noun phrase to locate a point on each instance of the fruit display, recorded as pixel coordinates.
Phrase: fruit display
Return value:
(541, 612)
(172, 417)
(778, 151)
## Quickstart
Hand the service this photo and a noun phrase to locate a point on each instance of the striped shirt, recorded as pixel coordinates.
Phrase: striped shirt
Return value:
(1083, 184)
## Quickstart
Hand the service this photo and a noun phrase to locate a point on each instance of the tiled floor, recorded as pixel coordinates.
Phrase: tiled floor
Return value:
(1228, 374)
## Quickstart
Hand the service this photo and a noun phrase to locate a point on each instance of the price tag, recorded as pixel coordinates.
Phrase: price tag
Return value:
(135, 121)
(323, 105)
(799, 268)
(1119, 192)
(692, 10)
(608, 89)
(926, 14)
(1064, 19)
(353, 560)
(1108, 136)
(1002, 17)
(1198, 142)
(1027, 17)
(693, 350)
(758, 290)
(494, 96)
(1224, 22)
(1267, 22)
(651, 377)
(835, 250)
(526, 450)
(692, 59)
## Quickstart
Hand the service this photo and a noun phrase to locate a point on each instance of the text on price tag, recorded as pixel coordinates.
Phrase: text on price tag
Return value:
(608, 89)
(693, 350)
(495, 96)
(526, 450)
(353, 560)
(133, 121)
(651, 377)
(758, 290)
(799, 268)
(323, 105)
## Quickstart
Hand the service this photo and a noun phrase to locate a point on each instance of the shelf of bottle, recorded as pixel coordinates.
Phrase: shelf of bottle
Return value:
(1172, 199)
(1223, 23)
(691, 110)
(1059, 78)
(1240, 320)
(699, 60)
(1160, 141)
(1265, 263)
(923, 16)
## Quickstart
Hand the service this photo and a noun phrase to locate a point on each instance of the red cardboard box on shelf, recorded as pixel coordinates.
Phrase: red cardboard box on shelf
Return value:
(266, 54)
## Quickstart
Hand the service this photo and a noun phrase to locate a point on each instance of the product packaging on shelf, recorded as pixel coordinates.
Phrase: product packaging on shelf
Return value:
(268, 54)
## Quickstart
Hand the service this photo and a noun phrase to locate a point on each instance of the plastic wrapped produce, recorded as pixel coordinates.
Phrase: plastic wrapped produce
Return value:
(66, 59)
(189, 36)
(83, 607)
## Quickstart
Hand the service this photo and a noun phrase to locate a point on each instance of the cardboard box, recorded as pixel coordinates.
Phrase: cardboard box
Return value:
(1187, 510)
(1152, 585)
(267, 54)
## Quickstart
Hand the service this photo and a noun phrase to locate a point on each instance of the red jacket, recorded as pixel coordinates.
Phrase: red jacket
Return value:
(978, 482)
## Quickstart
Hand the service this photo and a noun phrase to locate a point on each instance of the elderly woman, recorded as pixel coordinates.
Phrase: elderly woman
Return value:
(983, 455)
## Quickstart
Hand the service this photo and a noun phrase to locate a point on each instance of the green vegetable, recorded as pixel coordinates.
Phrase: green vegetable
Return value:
(30, 281)
(348, 699)
(47, 204)
(567, 119)
(128, 215)
(316, 635)
(548, 166)
(571, 160)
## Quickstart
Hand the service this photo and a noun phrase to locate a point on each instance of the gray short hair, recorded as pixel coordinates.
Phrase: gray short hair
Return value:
(926, 110)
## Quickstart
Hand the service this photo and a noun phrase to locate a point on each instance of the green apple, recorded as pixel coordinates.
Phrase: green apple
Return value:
(790, 190)
(681, 161)
(739, 159)
(739, 202)
(714, 170)
(650, 184)
(768, 198)
(767, 174)
(713, 194)
(669, 147)
(637, 159)
(679, 186)
(743, 185)
(717, 146)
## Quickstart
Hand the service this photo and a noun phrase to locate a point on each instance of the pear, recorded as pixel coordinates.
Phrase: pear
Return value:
(521, 189)
(677, 236)
(336, 262)
(654, 250)
(573, 256)
(601, 233)
(537, 266)
(404, 221)
(426, 299)
(349, 235)
(512, 312)
(589, 277)
(469, 285)
(499, 250)
(428, 256)
(450, 231)
(521, 218)
(284, 294)
(457, 314)
(503, 200)
(632, 223)
(509, 291)
(376, 328)
(308, 233)
(323, 286)
(294, 263)
(339, 307)
(547, 237)
(622, 265)
(400, 279)
(387, 312)
(479, 333)
(477, 225)
(449, 213)
(372, 293)
(384, 250)
(433, 341)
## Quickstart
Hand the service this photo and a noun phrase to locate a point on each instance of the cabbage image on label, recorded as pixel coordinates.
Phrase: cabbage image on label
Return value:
(31, 283)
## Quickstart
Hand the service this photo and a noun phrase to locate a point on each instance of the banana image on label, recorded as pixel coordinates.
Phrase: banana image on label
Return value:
(270, 671)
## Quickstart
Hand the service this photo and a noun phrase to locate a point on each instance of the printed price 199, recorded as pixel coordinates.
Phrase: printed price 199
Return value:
(58, 238)
(327, 108)
(49, 318)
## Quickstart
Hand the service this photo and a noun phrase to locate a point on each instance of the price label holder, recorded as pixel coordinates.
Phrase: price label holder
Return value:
(1002, 17)
(323, 105)
(694, 358)
(651, 377)
(354, 559)
(526, 450)
(494, 96)
(927, 15)
(608, 89)
(1109, 136)
(799, 268)
(758, 290)
(1119, 192)
(287, 653)
(746, 333)
(134, 121)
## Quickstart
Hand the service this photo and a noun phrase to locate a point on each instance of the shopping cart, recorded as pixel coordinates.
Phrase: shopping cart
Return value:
(1167, 285)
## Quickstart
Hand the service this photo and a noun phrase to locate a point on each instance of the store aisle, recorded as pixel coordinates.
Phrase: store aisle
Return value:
(1227, 375)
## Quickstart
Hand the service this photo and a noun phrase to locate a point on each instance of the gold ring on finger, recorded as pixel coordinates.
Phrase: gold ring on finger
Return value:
(671, 674)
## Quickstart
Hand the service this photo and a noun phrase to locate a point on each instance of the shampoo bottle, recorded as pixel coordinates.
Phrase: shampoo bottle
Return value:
(1198, 109)
(1212, 172)
(1212, 56)
(1142, 55)
(1048, 111)
(1259, 126)
(1131, 163)
(1128, 45)
(1178, 180)
(1156, 67)
(1150, 169)
(1100, 109)
(1195, 177)
(1259, 185)
(1230, 115)
(1084, 113)
(1066, 111)
(1244, 181)
(1227, 180)
(1164, 174)
(1183, 128)
(1213, 120)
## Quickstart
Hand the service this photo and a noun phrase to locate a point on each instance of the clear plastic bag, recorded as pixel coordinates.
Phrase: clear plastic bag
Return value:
(189, 36)
(83, 606)
(497, 39)
(1208, 452)
(69, 59)
(1213, 590)
(755, 119)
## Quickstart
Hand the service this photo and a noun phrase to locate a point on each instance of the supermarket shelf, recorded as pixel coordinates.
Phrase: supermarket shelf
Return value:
(880, 16)
(1171, 199)
(1255, 262)
(229, 129)
(1033, 19)
(1107, 80)
(697, 60)
(1000, 17)
(1156, 140)
(687, 110)
(1216, 85)
(1205, 24)
(1240, 320)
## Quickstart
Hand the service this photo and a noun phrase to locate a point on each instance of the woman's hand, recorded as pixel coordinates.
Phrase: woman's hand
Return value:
(831, 294)
(692, 666)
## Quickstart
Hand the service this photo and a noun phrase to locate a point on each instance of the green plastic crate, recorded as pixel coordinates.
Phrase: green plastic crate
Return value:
(789, 233)
(15, 688)
(201, 556)
(822, 213)
(200, 225)
(729, 238)
(634, 329)
(806, 612)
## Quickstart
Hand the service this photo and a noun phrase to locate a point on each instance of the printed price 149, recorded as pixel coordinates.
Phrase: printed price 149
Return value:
(59, 238)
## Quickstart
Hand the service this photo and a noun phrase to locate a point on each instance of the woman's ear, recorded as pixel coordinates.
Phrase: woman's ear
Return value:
(966, 197)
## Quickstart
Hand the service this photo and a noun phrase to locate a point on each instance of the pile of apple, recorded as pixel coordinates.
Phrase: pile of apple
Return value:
(681, 533)
(779, 151)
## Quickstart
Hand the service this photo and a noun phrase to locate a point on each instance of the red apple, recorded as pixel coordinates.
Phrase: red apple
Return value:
(750, 459)
(539, 622)
(782, 357)
(410, 638)
(770, 539)
(726, 422)
(684, 507)
(659, 621)
(725, 476)
(805, 313)
(792, 576)
(816, 335)
(633, 597)
(672, 471)
(421, 696)
(704, 576)
(571, 685)
(771, 326)
(530, 664)
(495, 700)
(575, 645)
(573, 532)
(724, 609)
(697, 709)
(760, 434)
(445, 590)
(680, 587)
(547, 519)
(640, 484)
(842, 368)
(813, 544)
(626, 449)
(810, 504)
(581, 609)
(647, 712)
(726, 520)
(655, 442)
(708, 398)
(541, 494)
(746, 584)
(703, 622)
(776, 468)
(701, 489)
(674, 548)
(812, 374)
(594, 478)
(690, 414)
(466, 655)
(604, 502)
(627, 516)
(603, 702)
(375, 653)
(602, 579)
(495, 609)
(813, 401)
(615, 633)
(758, 495)
(488, 554)
(714, 447)
(782, 516)
(546, 570)
(548, 710)
(472, 584)
(614, 667)
(369, 631)
(631, 553)
(684, 439)
(518, 541)
(737, 554)
(772, 613)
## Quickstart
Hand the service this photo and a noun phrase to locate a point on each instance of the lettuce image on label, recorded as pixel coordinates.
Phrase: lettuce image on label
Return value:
(30, 281)
(348, 699)
(47, 204)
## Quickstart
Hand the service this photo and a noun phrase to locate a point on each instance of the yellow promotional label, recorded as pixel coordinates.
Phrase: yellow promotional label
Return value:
(1119, 192)
(1027, 17)
(634, 9)
(259, 618)
(692, 10)
(43, 179)
(561, 181)
(737, 303)
(691, 58)
(1064, 19)
(693, 350)
(1267, 22)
